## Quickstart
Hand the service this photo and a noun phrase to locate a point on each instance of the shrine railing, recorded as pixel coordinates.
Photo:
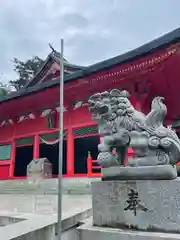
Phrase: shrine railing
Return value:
(92, 165)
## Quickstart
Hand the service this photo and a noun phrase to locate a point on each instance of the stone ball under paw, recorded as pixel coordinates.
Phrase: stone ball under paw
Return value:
(106, 159)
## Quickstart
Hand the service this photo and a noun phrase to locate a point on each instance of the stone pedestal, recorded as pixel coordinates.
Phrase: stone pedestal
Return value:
(148, 205)
(158, 172)
(89, 232)
(39, 168)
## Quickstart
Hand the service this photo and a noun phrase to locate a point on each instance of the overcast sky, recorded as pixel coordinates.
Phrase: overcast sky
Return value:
(93, 30)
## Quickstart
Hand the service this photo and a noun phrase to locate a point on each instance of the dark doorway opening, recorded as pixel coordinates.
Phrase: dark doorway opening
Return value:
(51, 152)
(82, 146)
(24, 156)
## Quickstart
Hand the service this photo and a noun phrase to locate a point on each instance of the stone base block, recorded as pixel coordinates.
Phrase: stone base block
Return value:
(160, 172)
(39, 168)
(150, 205)
(89, 232)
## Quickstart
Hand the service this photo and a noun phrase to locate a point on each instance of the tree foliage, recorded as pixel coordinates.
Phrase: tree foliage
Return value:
(25, 70)
(5, 89)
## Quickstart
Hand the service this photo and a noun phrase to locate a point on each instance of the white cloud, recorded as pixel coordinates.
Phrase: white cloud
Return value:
(93, 30)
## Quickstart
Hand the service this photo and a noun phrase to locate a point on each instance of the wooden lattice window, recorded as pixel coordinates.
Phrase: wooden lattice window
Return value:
(25, 141)
(86, 131)
(5, 152)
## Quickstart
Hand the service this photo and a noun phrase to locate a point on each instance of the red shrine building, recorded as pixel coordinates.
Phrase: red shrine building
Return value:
(29, 117)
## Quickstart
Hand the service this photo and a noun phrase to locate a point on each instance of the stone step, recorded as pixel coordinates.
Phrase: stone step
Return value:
(89, 232)
(46, 186)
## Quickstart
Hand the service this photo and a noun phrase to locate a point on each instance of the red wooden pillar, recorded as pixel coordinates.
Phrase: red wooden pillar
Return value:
(136, 103)
(138, 106)
(70, 152)
(36, 147)
(13, 155)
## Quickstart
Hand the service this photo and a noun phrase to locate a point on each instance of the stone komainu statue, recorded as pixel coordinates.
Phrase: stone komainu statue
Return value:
(121, 126)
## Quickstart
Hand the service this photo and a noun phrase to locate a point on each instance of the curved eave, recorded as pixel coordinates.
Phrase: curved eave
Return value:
(67, 64)
(39, 71)
(149, 48)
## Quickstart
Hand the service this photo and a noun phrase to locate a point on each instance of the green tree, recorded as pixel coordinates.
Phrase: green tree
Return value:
(5, 89)
(25, 70)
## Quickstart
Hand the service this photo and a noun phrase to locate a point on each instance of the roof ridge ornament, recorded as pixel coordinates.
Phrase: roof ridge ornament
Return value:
(53, 49)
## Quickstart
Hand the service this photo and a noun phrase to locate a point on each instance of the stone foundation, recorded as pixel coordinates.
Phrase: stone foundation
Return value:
(148, 205)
